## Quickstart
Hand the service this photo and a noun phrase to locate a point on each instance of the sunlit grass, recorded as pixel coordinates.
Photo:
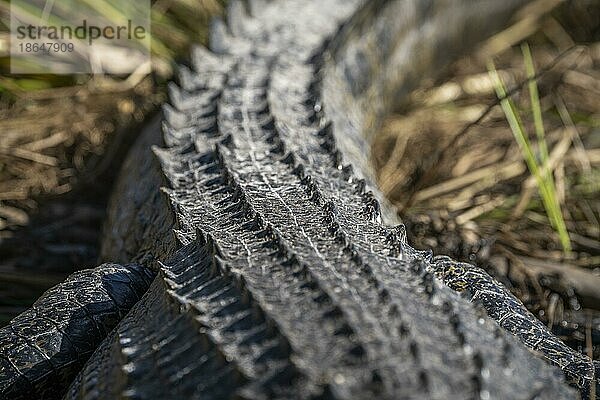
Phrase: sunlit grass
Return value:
(543, 175)
(175, 26)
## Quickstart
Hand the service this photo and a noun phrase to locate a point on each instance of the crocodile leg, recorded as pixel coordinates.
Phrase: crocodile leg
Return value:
(43, 349)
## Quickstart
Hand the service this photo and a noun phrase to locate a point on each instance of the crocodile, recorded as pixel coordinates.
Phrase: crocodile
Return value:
(281, 272)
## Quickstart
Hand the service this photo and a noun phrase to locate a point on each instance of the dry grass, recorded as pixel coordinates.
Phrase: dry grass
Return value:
(50, 144)
(59, 130)
(62, 139)
(449, 162)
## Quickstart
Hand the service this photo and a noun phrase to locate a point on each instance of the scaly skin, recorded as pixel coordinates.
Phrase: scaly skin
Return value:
(286, 283)
(42, 349)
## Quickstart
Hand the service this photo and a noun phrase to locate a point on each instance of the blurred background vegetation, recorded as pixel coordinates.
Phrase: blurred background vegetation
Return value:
(62, 139)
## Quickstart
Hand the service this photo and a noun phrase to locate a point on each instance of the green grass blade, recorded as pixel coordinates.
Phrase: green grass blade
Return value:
(546, 186)
(538, 122)
(535, 103)
(514, 120)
